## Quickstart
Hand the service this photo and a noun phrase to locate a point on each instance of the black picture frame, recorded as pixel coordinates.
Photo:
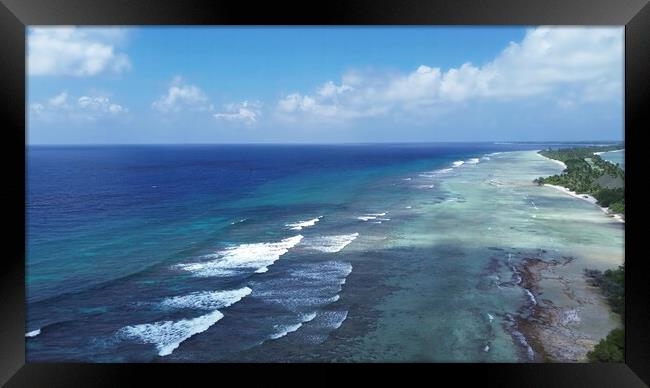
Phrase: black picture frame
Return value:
(15, 15)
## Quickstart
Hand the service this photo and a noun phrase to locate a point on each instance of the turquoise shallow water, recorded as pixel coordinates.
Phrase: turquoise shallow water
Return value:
(615, 157)
(449, 295)
(365, 253)
(451, 303)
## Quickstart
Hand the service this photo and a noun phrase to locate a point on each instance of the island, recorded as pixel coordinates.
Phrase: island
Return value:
(589, 176)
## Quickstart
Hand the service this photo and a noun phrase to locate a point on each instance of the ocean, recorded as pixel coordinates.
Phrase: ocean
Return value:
(615, 157)
(358, 252)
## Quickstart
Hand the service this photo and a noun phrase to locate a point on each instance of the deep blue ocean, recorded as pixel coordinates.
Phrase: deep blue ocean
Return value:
(199, 252)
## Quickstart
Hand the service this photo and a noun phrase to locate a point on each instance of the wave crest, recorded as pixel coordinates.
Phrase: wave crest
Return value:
(303, 224)
(207, 300)
(168, 335)
(231, 261)
(330, 244)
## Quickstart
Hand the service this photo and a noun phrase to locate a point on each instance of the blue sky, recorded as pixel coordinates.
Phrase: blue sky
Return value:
(295, 84)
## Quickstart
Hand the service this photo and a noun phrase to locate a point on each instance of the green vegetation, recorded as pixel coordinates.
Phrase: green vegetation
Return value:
(587, 173)
(612, 284)
(618, 207)
(609, 349)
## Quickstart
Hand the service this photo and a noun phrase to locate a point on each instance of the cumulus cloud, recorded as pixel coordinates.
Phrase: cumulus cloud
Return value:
(100, 104)
(73, 51)
(330, 104)
(83, 108)
(181, 96)
(59, 100)
(245, 112)
(568, 65)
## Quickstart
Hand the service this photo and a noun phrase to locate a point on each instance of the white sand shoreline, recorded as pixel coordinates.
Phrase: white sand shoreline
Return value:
(584, 197)
(552, 160)
(605, 152)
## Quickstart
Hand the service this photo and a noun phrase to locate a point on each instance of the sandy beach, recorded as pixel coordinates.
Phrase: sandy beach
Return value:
(600, 153)
(584, 197)
(590, 199)
(552, 160)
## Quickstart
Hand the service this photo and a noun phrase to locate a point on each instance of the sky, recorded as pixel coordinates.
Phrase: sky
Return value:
(145, 85)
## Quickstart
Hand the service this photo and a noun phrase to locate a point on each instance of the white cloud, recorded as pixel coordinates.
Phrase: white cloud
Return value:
(37, 107)
(100, 105)
(245, 112)
(331, 104)
(550, 62)
(182, 96)
(75, 51)
(84, 108)
(332, 90)
(59, 100)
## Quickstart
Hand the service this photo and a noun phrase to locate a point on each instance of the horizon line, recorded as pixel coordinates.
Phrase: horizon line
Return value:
(496, 142)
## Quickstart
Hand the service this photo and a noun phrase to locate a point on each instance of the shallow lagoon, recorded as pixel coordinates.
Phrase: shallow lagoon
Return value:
(615, 157)
(428, 292)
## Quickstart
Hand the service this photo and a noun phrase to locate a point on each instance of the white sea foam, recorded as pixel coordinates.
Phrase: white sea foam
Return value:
(286, 329)
(435, 173)
(458, 163)
(515, 272)
(486, 348)
(321, 326)
(570, 316)
(303, 224)
(321, 271)
(472, 161)
(490, 317)
(300, 299)
(207, 300)
(33, 333)
(307, 287)
(520, 337)
(230, 261)
(408, 207)
(366, 218)
(529, 349)
(168, 335)
(406, 179)
(329, 244)
(530, 296)
(324, 323)
(376, 214)
(332, 319)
